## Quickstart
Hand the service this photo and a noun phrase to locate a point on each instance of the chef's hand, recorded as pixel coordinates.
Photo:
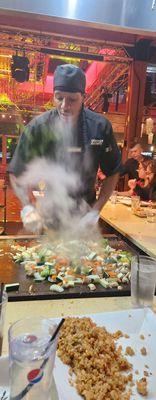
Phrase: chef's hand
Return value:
(31, 219)
(89, 219)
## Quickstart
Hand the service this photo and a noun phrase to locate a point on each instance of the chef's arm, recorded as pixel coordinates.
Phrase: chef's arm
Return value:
(91, 218)
(30, 216)
(107, 188)
(20, 189)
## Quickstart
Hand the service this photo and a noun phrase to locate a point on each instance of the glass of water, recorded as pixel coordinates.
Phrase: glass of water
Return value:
(31, 359)
(114, 197)
(143, 281)
(135, 203)
(151, 215)
(3, 304)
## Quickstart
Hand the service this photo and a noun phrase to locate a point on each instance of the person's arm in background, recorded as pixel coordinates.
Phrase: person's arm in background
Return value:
(132, 184)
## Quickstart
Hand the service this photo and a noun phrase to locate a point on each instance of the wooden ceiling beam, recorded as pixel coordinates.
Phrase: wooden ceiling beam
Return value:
(65, 28)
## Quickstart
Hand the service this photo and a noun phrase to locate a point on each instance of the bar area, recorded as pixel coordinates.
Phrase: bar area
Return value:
(77, 200)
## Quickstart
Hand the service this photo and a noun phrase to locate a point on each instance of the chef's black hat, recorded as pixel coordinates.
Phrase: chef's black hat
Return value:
(69, 78)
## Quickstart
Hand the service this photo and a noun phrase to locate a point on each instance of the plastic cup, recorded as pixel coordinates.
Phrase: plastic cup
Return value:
(143, 281)
(2, 317)
(135, 203)
(151, 216)
(31, 359)
(114, 197)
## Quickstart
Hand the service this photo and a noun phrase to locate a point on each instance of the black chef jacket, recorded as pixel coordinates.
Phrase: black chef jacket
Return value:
(93, 146)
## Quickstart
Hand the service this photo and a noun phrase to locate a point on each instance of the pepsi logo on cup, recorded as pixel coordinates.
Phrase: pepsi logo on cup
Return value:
(35, 376)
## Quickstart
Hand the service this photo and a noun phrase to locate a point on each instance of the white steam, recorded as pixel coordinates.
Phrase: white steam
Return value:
(59, 207)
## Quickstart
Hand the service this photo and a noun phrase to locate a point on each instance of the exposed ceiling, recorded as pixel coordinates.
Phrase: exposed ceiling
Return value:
(47, 41)
(45, 52)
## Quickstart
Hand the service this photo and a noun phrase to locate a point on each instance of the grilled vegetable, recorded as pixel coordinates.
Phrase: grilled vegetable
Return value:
(75, 262)
(56, 288)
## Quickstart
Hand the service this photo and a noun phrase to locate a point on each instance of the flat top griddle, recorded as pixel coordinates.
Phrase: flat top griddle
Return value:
(11, 272)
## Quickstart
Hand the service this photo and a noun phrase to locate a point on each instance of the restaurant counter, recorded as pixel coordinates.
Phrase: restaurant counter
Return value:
(60, 308)
(136, 229)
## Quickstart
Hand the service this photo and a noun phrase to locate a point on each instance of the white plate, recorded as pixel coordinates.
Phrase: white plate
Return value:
(144, 203)
(126, 201)
(132, 322)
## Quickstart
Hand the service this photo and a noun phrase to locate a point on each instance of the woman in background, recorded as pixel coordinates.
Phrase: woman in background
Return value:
(136, 185)
(148, 191)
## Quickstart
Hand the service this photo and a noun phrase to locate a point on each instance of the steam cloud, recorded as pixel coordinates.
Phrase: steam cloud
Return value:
(59, 207)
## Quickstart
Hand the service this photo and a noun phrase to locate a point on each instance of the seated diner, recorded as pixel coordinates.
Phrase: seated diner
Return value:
(145, 185)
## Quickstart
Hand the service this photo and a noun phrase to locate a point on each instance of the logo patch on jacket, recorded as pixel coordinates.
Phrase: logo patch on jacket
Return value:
(74, 149)
(96, 142)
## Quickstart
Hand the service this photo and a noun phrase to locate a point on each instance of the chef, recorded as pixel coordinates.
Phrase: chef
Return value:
(92, 143)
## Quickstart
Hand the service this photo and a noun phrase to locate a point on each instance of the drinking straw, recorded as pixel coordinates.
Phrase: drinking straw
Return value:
(1, 296)
(29, 386)
(1, 291)
(4, 396)
(50, 341)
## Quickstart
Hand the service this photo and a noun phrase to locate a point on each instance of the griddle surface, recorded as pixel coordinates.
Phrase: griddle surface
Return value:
(11, 272)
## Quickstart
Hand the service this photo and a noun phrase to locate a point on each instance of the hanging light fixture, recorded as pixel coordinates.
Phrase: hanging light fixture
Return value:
(149, 130)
